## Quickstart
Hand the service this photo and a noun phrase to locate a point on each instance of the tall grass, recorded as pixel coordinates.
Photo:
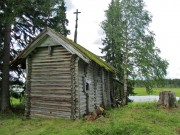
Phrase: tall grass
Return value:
(133, 119)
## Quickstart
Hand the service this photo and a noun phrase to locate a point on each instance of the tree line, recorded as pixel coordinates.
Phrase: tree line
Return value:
(168, 83)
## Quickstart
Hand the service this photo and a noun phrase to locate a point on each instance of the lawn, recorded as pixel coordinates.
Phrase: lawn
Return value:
(133, 119)
(142, 91)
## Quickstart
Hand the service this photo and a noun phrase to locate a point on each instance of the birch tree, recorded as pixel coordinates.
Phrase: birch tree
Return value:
(133, 44)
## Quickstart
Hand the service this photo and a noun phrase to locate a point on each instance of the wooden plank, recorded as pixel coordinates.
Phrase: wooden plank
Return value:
(42, 103)
(52, 108)
(45, 95)
(50, 112)
(52, 57)
(51, 64)
(51, 87)
(51, 70)
(51, 60)
(53, 73)
(50, 92)
(53, 80)
(56, 78)
(53, 99)
(37, 113)
(28, 86)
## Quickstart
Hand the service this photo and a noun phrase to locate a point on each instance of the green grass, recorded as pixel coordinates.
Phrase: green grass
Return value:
(142, 91)
(133, 119)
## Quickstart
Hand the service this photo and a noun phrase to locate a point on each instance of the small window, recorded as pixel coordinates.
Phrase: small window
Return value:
(87, 86)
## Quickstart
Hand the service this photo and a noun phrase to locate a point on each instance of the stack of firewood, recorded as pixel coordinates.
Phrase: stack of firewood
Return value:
(94, 115)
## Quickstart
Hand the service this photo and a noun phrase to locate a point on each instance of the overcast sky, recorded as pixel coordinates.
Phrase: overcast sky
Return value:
(165, 24)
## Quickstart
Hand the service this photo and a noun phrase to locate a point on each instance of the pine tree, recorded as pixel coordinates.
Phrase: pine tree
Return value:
(21, 21)
(135, 52)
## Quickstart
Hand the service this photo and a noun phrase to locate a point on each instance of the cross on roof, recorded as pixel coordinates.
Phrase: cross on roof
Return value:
(76, 26)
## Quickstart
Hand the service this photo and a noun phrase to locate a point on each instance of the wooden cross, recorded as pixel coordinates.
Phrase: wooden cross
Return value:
(76, 26)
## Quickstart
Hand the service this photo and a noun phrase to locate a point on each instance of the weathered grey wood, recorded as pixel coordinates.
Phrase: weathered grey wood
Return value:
(82, 95)
(167, 99)
(108, 91)
(48, 42)
(67, 45)
(95, 78)
(103, 89)
(50, 85)
(74, 87)
(77, 96)
(28, 87)
(63, 80)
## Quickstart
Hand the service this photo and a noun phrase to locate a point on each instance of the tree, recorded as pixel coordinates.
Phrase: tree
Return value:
(135, 53)
(21, 22)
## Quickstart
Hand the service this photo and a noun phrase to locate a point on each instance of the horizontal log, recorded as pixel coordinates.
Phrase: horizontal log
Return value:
(59, 62)
(50, 78)
(51, 70)
(58, 90)
(35, 112)
(82, 111)
(60, 49)
(52, 64)
(61, 77)
(43, 103)
(40, 115)
(51, 99)
(50, 88)
(51, 60)
(65, 88)
(51, 111)
(37, 85)
(51, 108)
(83, 105)
(43, 76)
(45, 95)
(55, 49)
(47, 74)
(46, 56)
(41, 54)
(50, 92)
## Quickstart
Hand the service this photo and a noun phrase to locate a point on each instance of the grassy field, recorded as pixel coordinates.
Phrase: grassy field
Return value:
(142, 91)
(133, 119)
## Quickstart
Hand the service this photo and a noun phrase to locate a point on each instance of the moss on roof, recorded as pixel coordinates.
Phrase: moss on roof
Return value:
(87, 53)
(93, 57)
(77, 47)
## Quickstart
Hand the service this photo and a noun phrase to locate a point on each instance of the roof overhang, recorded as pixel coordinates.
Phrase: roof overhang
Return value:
(39, 40)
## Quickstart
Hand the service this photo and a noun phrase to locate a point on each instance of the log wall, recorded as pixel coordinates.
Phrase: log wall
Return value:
(82, 94)
(56, 85)
(99, 87)
(51, 83)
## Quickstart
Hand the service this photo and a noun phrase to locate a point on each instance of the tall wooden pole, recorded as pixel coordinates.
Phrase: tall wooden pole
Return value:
(76, 26)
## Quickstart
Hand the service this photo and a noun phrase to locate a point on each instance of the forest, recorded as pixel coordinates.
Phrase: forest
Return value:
(168, 83)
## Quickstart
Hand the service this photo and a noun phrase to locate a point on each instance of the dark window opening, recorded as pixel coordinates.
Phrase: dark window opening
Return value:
(87, 86)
